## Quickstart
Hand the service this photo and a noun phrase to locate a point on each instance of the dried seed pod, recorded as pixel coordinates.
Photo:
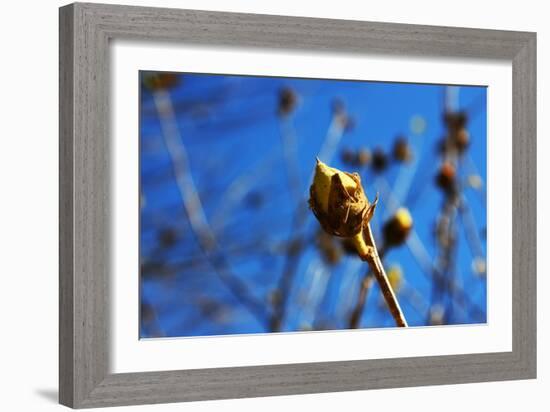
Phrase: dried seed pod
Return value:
(455, 120)
(461, 139)
(287, 101)
(338, 201)
(379, 160)
(397, 228)
(349, 157)
(363, 156)
(446, 177)
(159, 81)
(401, 150)
(167, 237)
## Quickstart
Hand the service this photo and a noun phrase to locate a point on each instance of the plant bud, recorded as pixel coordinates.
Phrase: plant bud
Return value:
(363, 157)
(379, 160)
(348, 157)
(338, 201)
(401, 150)
(396, 230)
(461, 139)
(395, 277)
(287, 101)
(158, 81)
(445, 178)
(455, 120)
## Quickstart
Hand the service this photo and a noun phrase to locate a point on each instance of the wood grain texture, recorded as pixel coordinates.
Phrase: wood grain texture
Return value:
(85, 31)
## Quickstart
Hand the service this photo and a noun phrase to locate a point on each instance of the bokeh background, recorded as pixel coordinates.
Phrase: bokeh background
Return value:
(227, 244)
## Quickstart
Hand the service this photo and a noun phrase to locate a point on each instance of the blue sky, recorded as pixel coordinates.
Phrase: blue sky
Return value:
(231, 131)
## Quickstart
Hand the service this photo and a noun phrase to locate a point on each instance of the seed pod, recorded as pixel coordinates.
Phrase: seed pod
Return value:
(461, 139)
(287, 101)
(395, 277)
(363, 156)
(455, 120)
(397, 228)
(446, 177)
(401, 150)
(338, 201)
(348, 157)
(159, 81)
(379, 160)
(167, 237)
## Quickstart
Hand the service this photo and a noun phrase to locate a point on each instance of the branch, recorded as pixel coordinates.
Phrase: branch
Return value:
(194, 210)
(369, 254)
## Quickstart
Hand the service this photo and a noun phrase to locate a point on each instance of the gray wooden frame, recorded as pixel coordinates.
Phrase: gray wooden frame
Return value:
(85, 31)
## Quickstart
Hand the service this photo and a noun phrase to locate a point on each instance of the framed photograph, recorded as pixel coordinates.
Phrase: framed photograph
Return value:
(256, 205)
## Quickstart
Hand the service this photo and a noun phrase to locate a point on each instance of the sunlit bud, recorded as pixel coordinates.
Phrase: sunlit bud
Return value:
(395, 277)
(397, 228)
(338, 201)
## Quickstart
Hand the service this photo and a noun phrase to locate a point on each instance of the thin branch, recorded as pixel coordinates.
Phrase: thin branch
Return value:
(193, 206)
(373, 259)
(357, 313)
(327, 150)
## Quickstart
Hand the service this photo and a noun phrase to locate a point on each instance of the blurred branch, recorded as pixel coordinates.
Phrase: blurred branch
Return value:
(194, 209)
(328, 147)
(356, 314)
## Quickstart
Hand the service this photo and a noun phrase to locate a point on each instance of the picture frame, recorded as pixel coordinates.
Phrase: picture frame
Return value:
(84, 356)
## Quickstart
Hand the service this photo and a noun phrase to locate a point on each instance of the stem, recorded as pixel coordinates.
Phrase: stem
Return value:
(355, 317)
(366, 248)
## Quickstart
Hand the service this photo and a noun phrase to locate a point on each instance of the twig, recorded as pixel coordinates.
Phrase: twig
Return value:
(327, 150)
(193, 206)
(371, 256)
(356, 314)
